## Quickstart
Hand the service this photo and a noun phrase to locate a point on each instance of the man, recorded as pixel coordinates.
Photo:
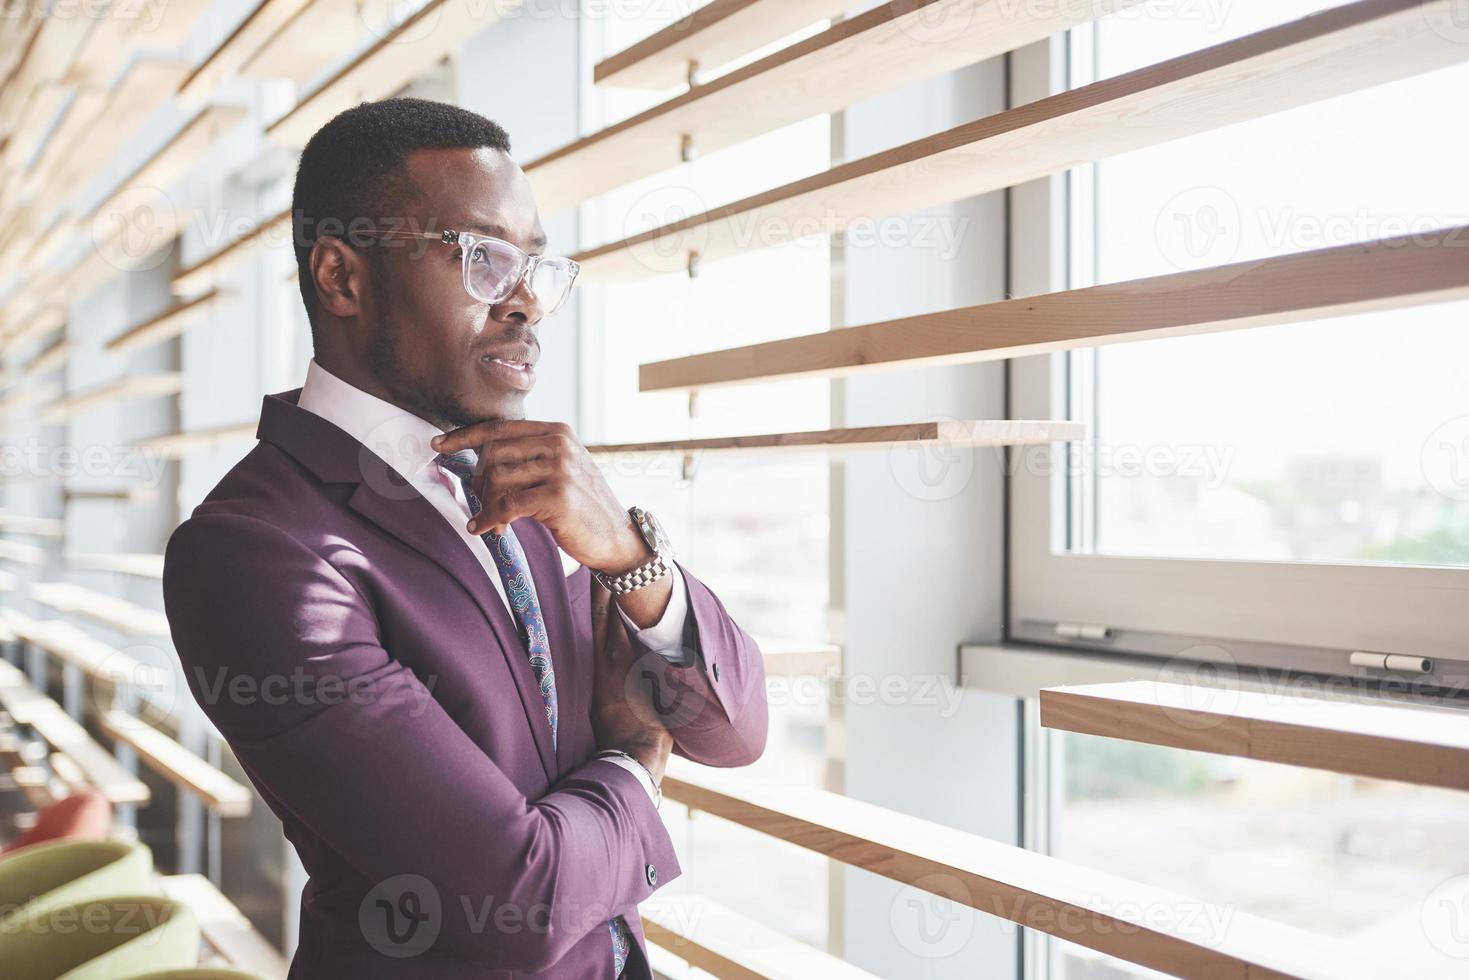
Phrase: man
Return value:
(394, 607)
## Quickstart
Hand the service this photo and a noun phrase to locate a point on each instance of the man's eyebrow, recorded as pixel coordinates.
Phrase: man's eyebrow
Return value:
(500, 231)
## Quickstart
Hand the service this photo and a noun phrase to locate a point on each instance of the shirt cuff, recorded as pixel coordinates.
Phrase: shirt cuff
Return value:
(637, 770)
(666, 635)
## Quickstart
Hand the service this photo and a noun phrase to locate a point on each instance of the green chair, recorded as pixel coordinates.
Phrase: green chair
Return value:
(65, 871)
(99, 939)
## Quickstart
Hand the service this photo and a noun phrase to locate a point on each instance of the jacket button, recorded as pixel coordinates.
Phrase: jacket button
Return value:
(652, 873)
(716, 672)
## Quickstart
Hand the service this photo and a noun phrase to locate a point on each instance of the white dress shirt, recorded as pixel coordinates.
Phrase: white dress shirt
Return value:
(402, 440)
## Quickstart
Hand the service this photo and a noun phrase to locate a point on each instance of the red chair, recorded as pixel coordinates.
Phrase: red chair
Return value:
(82, 816)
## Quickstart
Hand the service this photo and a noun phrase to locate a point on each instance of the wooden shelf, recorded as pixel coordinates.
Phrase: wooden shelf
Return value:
(177, 445)
(196, 278)
(986, 432)
(185, 770)
(1421, 745)
(1341, 50)
(1308, 285)
(27, 706)
(715, 939)
(132, 386)
(119, 614)
(392, 61)
(166, 324)
(713, 35)
(879, 50)
(142, 565)
(225, 928)
(234, 51)
(1135, 922)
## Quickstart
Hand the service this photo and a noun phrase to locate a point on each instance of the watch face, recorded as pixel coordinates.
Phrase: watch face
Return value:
(653, 532)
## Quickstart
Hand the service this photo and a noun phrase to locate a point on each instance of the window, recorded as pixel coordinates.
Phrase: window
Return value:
(1276, 496)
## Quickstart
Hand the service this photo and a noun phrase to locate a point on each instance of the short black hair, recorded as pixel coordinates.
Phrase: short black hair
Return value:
(352, 169)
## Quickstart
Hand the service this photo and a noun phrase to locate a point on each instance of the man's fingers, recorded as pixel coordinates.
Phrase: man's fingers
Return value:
(475, 435)
(504, 506)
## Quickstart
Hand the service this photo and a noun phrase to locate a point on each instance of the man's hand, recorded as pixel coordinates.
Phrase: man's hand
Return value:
(541, 470)
(622, 710)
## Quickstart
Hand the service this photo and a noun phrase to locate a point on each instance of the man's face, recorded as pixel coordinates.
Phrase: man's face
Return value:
(434, 347)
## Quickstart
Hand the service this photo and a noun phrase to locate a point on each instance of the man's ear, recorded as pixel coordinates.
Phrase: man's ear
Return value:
(338, 272)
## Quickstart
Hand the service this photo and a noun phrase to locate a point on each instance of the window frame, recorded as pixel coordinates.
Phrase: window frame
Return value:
(1191, 610)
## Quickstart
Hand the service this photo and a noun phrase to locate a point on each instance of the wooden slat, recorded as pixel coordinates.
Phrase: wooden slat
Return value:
(49, 57)
(167, 164)
(145, 87)
(1341, 50)
(44, 527)
(196, 278)
(132, 386)
(21, 554)
(34, 325)
(225, 927)
(885, 48)
(30, 707)
(713, 35)
(143, 565)
(391, 62)
(796, 658)
(733, 947)
(1328, 282)
(243, 42)
(177, 445)
(49, 359)
(302, 47)
(178, 765)
(120, 614)
(1423, 745)
(166, 324)
(955, 432)
(1135, 922)
(91, 656)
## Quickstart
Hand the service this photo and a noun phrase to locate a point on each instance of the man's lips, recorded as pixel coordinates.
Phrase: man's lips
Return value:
(519, 374)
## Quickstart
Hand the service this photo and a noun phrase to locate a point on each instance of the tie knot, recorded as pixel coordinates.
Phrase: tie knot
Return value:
(460, 462)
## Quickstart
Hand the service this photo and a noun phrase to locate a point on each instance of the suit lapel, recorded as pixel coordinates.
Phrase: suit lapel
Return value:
(383, 497)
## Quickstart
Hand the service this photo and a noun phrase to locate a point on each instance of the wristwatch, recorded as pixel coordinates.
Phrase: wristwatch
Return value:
(650, 571)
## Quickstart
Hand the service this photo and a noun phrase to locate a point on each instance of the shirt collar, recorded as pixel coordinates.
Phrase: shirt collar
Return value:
(395, 434)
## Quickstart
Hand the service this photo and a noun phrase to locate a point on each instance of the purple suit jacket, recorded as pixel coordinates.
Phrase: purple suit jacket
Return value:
(374, 687)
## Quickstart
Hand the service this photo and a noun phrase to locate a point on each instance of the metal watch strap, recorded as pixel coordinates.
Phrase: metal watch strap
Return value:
(644, 574)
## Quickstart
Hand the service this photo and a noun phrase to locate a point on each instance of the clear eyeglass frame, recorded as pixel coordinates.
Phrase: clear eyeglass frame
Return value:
(549, 277)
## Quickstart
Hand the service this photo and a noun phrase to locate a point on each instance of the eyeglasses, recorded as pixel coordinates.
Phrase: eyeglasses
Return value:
(494, 268)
